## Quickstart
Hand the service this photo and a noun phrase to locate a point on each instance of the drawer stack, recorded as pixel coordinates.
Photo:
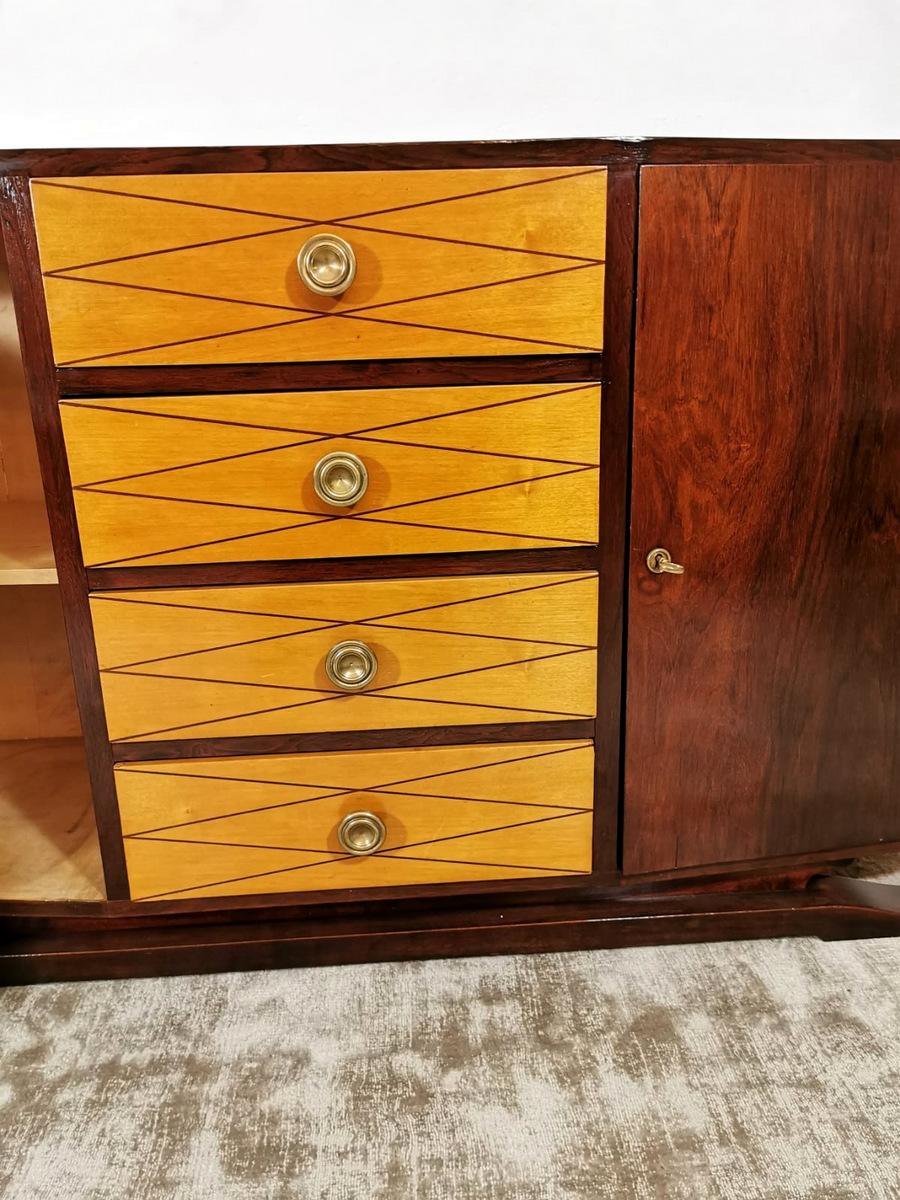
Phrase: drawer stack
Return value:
(303, 267)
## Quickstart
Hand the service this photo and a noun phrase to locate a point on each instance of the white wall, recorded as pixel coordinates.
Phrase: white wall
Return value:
(189, 72)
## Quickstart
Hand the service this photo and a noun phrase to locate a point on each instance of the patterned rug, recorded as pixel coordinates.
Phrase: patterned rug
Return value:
(745, 1070)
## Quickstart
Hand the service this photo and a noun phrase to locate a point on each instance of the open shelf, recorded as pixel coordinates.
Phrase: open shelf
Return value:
(25, 553)
(48, 837)
(48, 840)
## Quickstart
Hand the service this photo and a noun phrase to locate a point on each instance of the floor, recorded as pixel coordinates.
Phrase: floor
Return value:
(743, 1070)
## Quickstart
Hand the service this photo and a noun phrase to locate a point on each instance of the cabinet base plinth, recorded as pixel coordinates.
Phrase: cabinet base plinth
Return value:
(57, 945)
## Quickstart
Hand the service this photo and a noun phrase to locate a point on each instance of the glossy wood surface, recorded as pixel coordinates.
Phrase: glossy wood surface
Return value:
(415, 156)
(201, 268)
(762, 706)
(469, 370)
(221, 662)
(37, 948)
(255, 825)
(197, 479)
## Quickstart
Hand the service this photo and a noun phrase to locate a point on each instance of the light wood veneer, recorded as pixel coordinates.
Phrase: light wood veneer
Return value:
(218, 478)
(201, 268)
(231, 661)
(221, 827)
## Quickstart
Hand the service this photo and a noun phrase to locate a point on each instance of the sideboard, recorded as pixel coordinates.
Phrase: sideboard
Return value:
(462, 549)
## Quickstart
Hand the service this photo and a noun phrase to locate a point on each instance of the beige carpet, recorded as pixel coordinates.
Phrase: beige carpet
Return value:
(741, 1070)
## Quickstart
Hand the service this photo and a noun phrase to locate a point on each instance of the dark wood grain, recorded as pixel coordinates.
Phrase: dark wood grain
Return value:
(34, 335)
(430, 155)
(35, 950)
(400, 566)
(612, 560)
(298, 377)
(763, 684)
(371, 739)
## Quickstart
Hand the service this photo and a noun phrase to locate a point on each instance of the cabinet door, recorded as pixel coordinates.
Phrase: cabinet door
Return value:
(763, 681)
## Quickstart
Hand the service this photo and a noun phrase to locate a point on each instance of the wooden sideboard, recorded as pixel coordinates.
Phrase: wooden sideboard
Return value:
(465, 548)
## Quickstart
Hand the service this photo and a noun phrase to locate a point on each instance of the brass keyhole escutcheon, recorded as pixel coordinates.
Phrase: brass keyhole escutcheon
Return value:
(659, 561)
(361, 833)
(327, 264)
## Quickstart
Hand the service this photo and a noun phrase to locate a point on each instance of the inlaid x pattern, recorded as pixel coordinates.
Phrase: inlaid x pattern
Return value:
(550, 263)
(312, 834)
(399, 514)
(533, 650)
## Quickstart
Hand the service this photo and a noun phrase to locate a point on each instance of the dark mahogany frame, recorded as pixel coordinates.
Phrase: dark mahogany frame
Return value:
(118, 937)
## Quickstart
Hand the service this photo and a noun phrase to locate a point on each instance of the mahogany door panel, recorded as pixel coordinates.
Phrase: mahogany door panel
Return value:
(763, 682)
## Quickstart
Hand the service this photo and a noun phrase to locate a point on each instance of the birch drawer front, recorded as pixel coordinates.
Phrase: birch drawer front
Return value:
(298, 658)
(199, 479)
(281, 267)
(359, 819)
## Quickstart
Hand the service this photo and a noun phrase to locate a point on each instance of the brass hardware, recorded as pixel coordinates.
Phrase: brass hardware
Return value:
(660, 563)
(361, 833)
(351, 666)
(340, 479)
(327, 264)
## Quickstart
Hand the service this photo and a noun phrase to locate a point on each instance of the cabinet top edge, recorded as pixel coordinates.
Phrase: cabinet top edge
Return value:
(620, 151)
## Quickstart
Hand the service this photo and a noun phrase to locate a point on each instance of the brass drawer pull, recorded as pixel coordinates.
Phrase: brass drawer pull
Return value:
(660, 563)
(351, 666)
(327, 264)
(361, 833)
(340, 479)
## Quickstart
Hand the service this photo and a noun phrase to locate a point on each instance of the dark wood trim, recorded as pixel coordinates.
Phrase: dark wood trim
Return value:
(765, 150)
(187, 910)
(331, 376)
(63, 948)
(615, 437)
(393, 156)
(372, 739)
(823, 858)
(34, 333)
(322, 570)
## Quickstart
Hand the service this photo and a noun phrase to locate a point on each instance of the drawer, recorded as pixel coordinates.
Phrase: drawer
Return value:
(243, 826)
(198, 479)
(204, 268)
(236, 661)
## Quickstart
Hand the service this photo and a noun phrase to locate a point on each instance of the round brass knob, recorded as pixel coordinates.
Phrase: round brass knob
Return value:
(340, 479)
(351, 666)
(361, 833)
(327, 264)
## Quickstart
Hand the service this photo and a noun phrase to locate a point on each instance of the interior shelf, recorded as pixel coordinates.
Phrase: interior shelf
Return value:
(25, 553)
(48, 840)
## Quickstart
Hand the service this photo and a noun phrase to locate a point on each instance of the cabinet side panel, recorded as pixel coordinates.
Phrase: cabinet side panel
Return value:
(18, 234)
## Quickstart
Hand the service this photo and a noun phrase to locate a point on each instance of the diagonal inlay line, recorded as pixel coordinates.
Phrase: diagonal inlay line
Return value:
(379, 618)
(372, 516)
(344, 858)
(325, 518)
(300, 222)
(101, 405)
(392, 691)
(317, 314)
(333, 790)
(347, 314)
(567, 809)
(504, 708)
(313, 437)
(391, 850)
(313, 440)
